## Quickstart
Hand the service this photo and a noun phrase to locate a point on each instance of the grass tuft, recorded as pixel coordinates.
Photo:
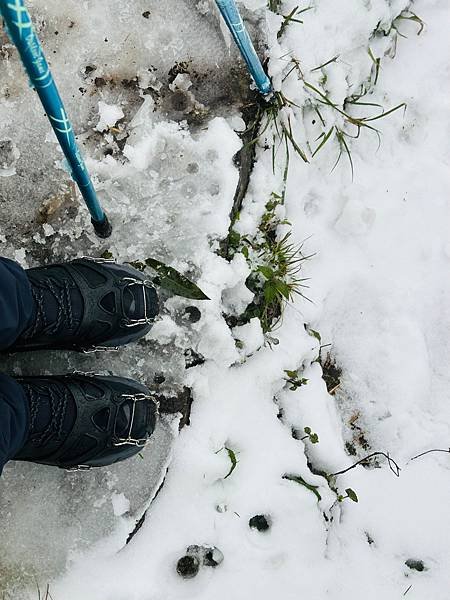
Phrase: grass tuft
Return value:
(275, 263)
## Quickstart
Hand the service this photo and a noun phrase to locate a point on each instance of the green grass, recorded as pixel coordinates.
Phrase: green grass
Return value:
(357, 123)
(294, 380)
(408, 15)
(299, 479)
(275, 262)
(276, 116)
(292, 17)
(275, 279)
(277, 124)
(278, 279)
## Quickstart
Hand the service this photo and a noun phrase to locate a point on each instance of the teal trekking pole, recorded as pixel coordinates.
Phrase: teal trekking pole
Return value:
(22, 34)
(233, 19)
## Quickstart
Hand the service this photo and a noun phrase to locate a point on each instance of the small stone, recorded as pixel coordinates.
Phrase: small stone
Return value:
(89, 69)
(415, 565)
(213, 557)
(99, 82)
(146, 14)
(50, 207)
(193, 313)
(208, 556)
(259, 522)
(188, 567)
(193, 359)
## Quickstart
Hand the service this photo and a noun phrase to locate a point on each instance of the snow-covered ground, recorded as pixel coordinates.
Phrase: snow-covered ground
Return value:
(378, 298)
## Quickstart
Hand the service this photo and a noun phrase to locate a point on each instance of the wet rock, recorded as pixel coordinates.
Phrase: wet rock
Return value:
(181, 403)
(193, 358)
(159, 378)
(188, 566)
(51, 206)
(415, 565)
(193, 313)
(213, 557)
(259, 522)
(88, 69)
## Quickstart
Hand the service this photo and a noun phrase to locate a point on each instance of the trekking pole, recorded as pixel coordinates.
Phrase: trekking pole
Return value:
(22, 34)
(233, 19)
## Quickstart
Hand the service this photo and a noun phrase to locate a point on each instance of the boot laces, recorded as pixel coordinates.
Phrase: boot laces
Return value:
(64, 315)
(58, 401)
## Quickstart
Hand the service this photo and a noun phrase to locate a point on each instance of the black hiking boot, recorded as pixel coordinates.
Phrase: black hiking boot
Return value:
(83, 421)
(88, 304)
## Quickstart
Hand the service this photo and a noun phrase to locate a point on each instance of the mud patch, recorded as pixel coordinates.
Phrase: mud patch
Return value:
(331, 373)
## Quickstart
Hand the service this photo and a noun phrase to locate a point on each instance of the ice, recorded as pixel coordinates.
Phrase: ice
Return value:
(250, 336)
(109, 115)
(99, 55)
(150, 190)
(9, 155)
(61, 515)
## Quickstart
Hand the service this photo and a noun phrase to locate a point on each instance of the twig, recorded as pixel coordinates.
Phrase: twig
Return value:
(391, 462)
(429, 451)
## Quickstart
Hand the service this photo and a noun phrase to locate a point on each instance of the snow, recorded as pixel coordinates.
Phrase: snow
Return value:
(378, 291)
(9, 155)
(109, 115)
(120, 503)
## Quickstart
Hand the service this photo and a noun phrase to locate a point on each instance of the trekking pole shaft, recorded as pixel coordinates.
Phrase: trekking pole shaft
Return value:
(21, 31)
(233, 19)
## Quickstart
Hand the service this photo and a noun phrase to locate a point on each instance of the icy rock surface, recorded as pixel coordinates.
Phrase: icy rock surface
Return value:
(114, 56)
(168, 189)
(64, 514)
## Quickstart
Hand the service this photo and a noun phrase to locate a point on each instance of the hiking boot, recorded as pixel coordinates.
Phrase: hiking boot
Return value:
(82, 421)
(88, 304)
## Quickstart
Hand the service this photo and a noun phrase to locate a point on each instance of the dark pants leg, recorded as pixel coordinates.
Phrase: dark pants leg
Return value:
(16, 309)
(14, 419)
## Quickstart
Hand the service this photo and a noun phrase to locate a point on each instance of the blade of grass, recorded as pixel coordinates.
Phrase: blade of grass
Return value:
(325, 63)
(386, 113)
(323, 142)
(376, 62)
